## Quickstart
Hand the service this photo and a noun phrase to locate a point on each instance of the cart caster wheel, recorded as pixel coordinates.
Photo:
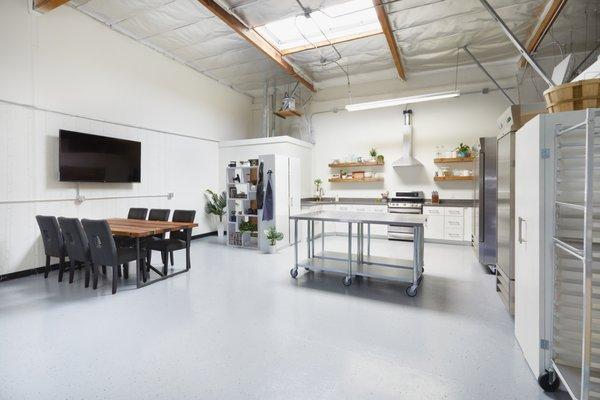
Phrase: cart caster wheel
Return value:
(294, 272)
(347, 281)
(307, 269)
(547, 384)
(411, 291)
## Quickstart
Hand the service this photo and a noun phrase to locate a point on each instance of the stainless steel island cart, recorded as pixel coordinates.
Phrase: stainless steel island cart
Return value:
(358, 263)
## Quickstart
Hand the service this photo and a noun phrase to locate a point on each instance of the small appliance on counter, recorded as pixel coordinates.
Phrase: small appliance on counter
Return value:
(404, 203)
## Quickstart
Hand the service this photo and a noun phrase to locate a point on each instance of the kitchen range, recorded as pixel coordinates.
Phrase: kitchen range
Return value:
(404, 203)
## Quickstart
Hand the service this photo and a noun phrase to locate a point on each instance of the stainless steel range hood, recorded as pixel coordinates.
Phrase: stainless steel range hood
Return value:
(407, 160)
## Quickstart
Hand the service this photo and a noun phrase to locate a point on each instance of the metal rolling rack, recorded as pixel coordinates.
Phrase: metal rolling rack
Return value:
(575, 342)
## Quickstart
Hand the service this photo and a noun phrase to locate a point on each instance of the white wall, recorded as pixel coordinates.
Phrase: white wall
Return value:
(67, 71)
(447, 123)
(237, 150)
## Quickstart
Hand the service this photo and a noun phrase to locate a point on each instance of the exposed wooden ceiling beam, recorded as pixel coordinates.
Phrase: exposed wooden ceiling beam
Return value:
(45, 6)
(549, 15)
(324, 43)
(389, 36)
(255, 39)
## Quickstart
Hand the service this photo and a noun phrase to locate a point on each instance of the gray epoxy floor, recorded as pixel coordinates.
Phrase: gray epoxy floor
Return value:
(238, 327)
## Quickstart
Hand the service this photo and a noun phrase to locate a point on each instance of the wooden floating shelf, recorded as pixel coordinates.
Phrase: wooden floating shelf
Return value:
(363, 180)
(452, 178)
(453, 160)
(288, 113)
(356, 164)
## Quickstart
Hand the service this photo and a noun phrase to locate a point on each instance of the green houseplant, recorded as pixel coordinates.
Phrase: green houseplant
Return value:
(463, 150)
(273, 236)
(215, 206)
(373, 154)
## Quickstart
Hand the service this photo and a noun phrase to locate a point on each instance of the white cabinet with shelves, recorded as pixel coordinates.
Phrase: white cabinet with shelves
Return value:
(452, 224)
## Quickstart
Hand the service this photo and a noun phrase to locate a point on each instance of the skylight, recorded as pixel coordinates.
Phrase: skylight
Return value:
(351, 18)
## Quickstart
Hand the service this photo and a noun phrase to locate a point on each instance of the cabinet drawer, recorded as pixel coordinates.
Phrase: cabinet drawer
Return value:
(454, 222)
(433, 211)
(453, 234)
(362, 208)
(454, 211)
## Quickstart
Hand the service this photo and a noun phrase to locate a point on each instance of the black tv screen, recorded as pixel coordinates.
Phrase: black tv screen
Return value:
(92, 158)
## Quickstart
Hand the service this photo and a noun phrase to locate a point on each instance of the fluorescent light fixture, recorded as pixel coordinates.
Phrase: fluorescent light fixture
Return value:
(402, 100)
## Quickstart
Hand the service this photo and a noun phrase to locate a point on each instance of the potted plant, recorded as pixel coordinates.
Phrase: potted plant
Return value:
(463, 150)
(215, 205)
(373, 154)
(273, 236)
(380, 158)
(319, 191)
(246, 229)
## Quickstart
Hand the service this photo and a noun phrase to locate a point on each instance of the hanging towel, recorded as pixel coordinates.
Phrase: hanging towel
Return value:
(268, 206)
(259, 188)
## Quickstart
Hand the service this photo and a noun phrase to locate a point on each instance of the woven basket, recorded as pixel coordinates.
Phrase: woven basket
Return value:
(573, 96)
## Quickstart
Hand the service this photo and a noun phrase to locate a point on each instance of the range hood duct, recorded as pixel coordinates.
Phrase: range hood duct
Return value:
(407, 160)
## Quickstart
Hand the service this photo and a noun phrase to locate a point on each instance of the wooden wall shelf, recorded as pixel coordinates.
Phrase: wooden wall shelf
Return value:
(453, 160)
(452, 178)
(356, 164)
(288, 113)
(363, 180)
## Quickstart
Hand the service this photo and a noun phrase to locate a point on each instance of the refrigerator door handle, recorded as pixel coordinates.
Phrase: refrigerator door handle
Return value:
(521, 220)
(481, 196)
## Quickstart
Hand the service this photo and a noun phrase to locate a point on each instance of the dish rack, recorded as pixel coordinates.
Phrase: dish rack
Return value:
(575, 342)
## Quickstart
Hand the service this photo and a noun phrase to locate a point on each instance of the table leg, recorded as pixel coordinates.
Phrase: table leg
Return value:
(322, 238)
(368, 239)
(307, 239)
(294, 270)
(138, 266)
(417, 260)
(348, 278)
(312, 239)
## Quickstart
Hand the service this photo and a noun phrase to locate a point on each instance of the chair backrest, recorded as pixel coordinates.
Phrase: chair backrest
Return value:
(159, 214)
(76, 240)
(182, 216)
(137, 213)
(54, 245)
(102, 244)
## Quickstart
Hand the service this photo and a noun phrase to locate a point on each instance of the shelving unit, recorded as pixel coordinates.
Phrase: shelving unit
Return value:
(574, 339)
(237, 206)
(288, 113)
(363, 180)
(452, 178)
(453, 160)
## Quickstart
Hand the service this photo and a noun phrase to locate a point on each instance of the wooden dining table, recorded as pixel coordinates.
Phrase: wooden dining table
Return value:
(139, 229)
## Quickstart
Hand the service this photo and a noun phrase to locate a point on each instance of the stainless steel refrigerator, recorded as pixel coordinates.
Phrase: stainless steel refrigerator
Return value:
(485, 211)
(505, 265)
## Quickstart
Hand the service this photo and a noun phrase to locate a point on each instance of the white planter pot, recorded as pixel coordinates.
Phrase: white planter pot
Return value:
(221, 229)
(272, 249)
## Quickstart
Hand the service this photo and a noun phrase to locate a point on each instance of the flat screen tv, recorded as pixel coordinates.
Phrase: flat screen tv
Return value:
(92, 158)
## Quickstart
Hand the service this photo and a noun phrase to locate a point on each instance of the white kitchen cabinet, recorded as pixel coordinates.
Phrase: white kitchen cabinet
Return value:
(468, 224)
(434, 229)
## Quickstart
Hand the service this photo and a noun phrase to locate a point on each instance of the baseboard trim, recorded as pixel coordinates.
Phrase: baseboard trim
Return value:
(54, 267)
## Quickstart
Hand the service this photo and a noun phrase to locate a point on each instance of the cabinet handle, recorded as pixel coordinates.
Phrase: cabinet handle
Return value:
(521, 240)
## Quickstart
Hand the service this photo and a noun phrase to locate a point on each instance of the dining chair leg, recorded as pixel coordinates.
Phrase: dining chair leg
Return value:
(95, 276)
(149, 257)
(47, 270)
(145, 270)
(126, 271)
(61, 268)
(165, 259)
(88, 268)
(119, 270)
(172, 258)
(104, 269)
(71, 270)
(116, 269)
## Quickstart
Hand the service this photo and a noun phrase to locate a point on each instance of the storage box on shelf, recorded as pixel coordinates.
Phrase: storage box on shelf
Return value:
(357, 176)
(451, 177)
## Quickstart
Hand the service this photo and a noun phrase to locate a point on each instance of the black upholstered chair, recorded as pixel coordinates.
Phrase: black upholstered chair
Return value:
(54, 245)
(156, 214)
(178, 240)
(137, 213)
(103, 249)
(78, 248)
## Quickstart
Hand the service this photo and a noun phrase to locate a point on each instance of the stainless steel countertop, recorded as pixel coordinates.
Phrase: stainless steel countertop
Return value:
(410, 220)
(449, 203)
